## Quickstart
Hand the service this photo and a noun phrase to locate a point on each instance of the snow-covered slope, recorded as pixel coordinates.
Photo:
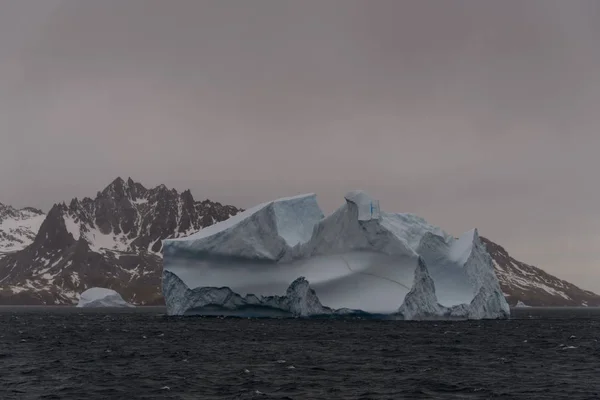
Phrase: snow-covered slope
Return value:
(18, 227)
(101, 297)
(358, 259)
(533, 286)
(112, 241)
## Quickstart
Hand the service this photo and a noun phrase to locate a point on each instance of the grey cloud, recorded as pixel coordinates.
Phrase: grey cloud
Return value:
(470, 113)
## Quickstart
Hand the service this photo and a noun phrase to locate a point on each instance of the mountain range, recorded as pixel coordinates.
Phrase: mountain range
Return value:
(114, 240)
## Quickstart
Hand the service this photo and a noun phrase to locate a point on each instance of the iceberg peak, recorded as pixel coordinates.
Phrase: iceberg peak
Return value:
(463, 246)
(303, 300)
(101, 297)
(367, 207)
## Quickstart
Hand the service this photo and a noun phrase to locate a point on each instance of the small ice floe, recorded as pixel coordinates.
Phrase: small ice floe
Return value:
(525, 341)
(165, 388)
(161, 335)
(144, 337)
(569, 347)
(573, 337)
(258, 392)
(281, 361)
(247, 371)
(291, 367)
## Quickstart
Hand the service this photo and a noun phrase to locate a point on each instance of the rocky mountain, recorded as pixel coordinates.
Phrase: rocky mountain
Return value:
(532, 286)
(18, 227)
(112, 241)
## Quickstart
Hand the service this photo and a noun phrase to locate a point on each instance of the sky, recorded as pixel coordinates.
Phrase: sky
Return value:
(470, 113)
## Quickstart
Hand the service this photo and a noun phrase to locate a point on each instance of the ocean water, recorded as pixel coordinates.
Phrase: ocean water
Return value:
(67, 353)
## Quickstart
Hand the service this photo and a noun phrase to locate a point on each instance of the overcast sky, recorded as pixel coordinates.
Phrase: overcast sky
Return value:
(469, 113)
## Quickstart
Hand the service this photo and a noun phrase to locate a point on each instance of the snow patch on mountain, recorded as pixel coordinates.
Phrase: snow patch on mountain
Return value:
(72, 227)
(18, 227)
(533, 286)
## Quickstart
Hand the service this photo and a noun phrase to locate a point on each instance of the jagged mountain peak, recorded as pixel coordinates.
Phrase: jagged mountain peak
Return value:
(53, 233)
(115, 188)
(118, 181)
(119, 189)
(113, 240)
(126, 216)
(186, 196)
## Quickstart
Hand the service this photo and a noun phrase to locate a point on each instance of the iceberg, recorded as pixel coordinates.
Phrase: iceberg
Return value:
(101, 297)
(285, 258)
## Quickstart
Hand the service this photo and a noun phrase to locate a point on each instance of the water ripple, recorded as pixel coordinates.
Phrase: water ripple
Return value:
(149, 356)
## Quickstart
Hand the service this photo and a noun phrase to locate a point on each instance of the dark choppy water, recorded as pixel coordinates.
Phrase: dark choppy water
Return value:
(64, 354)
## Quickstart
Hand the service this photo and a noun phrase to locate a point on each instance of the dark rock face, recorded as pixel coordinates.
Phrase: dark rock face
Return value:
(533, 286)
(112, 241)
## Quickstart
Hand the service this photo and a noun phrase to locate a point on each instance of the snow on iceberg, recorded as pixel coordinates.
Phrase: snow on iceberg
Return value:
(101, 297)
(285, 258)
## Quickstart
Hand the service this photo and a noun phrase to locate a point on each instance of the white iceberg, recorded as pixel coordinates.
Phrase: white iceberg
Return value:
(520, 304)
(284, 258)
(101, 297)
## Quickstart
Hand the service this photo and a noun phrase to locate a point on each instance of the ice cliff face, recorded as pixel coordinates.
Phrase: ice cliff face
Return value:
(357, 259)
(101, 297)
(299, 300)
(421, 302)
